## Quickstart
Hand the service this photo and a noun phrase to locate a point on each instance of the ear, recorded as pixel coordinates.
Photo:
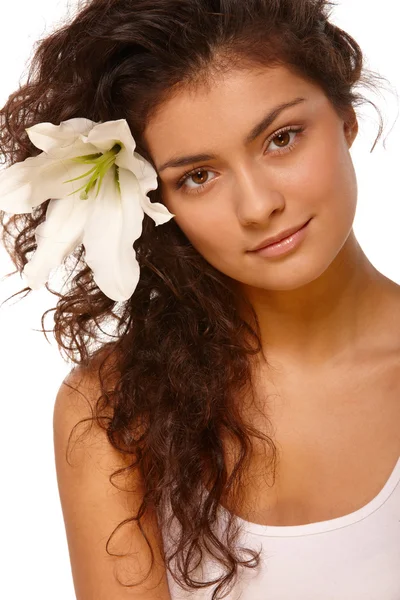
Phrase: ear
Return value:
(350, 126)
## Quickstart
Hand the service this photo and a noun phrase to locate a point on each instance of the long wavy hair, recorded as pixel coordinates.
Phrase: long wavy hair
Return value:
(182, 352)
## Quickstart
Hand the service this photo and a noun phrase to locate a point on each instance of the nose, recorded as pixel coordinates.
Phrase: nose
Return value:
(257, 196)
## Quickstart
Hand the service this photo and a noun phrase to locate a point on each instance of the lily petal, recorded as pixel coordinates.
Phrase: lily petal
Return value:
(57, 237)
(16, 188)
(48, 137)
(158, 212)
(25, 185)
(105, 135)
(143, 170)
(51, 179)
(115, 223)
(79, 147)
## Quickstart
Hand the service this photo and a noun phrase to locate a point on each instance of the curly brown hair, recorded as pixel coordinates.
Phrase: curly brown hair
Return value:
(183, 352)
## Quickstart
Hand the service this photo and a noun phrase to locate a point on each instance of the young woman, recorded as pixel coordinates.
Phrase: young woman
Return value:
(245, 421)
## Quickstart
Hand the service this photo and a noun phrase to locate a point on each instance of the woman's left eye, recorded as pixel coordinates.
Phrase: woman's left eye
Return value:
(284, 144)
(282, 137)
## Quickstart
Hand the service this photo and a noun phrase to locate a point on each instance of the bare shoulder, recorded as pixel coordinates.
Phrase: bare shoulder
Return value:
(93, 507)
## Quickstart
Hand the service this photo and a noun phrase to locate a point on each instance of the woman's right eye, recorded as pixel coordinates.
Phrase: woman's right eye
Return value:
(190, 177)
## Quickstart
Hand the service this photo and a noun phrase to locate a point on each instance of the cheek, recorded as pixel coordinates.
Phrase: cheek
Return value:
(325, 173)
(329, 187)
(195, 217)
(206, 222)
(208, 229)
(314, 171)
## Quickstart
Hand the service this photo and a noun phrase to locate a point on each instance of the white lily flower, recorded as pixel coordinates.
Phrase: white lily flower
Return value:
(77, 156)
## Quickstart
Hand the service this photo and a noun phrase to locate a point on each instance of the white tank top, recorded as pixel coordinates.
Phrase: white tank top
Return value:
(354, 557)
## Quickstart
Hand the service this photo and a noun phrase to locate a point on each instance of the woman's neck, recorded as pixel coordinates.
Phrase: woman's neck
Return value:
(330, 317)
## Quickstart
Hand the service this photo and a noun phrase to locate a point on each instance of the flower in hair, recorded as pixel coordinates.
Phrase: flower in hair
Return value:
(98, 188)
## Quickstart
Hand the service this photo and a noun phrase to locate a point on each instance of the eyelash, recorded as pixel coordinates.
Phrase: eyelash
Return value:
(299, 130)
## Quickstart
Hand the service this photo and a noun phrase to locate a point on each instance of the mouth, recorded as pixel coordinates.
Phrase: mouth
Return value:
(283, 245)
(281, 237)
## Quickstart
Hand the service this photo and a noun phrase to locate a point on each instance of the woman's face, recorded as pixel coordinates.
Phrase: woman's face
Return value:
(254, 182)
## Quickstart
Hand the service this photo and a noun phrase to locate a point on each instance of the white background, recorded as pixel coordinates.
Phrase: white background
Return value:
(35, 562)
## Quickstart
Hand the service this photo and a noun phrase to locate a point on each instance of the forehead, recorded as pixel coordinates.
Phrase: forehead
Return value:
(233, 100)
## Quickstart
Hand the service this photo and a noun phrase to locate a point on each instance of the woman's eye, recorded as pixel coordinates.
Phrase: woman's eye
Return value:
(285, 141)
(199, 177)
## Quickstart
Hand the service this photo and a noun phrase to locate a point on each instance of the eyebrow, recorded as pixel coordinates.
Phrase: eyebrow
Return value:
(182, 161)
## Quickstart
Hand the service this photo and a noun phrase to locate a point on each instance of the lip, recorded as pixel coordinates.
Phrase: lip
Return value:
(280, 237)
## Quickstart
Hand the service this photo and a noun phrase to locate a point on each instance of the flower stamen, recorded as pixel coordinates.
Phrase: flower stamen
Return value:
(102, 163)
